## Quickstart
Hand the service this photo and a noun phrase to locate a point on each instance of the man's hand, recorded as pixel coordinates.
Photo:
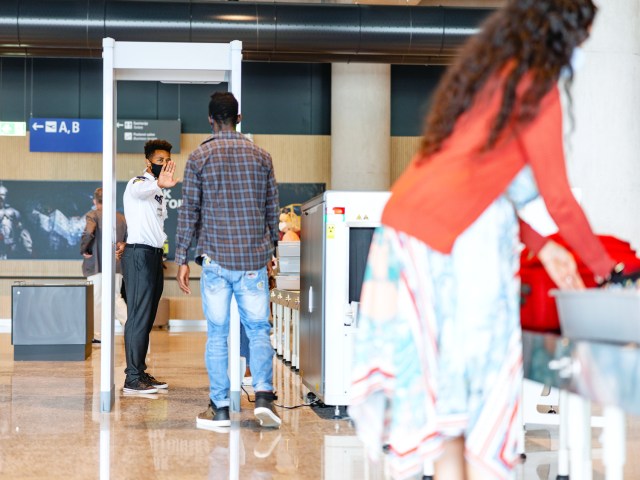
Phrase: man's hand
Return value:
(271, 265)
(120, 249)
(183, 278)
(166, 180)
(561, 266)
(87, 255)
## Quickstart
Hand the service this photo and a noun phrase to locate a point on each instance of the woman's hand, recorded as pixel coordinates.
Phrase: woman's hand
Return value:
(561, 266)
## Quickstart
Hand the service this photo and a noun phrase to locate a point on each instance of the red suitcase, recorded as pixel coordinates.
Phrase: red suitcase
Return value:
(537, 308)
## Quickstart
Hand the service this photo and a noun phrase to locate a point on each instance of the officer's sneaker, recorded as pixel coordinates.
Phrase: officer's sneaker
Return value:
(138, 386)
(263, 410)
(151, 380)
(213, 417)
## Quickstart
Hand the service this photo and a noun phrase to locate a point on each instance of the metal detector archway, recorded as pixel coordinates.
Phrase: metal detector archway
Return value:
(150, 61)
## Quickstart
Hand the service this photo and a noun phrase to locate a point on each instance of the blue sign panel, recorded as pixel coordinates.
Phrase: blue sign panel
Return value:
(65, 135)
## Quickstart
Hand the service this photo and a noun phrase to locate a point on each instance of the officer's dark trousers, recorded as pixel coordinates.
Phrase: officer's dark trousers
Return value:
(143, 278)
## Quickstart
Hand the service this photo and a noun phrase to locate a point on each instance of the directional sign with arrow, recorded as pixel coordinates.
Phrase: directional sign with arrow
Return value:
(136, 133)
(65, 135)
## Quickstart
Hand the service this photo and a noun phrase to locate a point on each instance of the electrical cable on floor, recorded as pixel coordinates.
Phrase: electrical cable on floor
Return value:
(315, 402)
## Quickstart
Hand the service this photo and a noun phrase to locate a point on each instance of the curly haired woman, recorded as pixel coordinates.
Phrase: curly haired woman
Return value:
(438, 355)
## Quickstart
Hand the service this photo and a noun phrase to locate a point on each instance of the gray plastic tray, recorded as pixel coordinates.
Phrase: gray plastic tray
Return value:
(289, 264)
(288, 282)
(288, 249)
(601, 315)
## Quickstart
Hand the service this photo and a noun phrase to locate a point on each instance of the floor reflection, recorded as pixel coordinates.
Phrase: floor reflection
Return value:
(51, 426)
(105, 446)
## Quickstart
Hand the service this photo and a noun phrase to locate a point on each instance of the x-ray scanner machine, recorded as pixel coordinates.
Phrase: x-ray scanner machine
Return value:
(336, 232)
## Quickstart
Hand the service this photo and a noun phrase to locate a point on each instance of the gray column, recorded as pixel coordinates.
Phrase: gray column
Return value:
(604, 150)
(360, 126)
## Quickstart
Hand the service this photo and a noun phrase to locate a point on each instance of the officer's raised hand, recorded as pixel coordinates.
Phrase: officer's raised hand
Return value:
(165, 179)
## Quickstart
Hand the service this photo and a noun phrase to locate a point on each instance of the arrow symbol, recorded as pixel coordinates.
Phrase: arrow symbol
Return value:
(36, 126)
(118, 125)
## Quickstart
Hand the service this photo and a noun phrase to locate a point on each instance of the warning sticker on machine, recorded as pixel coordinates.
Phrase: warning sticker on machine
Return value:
(331, 230)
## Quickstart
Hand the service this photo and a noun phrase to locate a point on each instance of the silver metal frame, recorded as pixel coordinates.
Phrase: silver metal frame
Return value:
(168, 62)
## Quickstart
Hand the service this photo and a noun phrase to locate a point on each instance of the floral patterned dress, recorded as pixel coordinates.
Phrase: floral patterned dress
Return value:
(438, 352)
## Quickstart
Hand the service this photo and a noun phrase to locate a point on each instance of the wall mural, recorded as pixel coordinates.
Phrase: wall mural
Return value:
(44, 220)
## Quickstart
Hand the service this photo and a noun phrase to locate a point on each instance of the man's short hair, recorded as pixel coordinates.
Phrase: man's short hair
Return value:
(97, 195)
(152, 145)
(223, 108)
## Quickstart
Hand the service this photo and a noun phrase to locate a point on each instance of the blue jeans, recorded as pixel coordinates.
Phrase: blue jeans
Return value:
(251, 289)
(244, 345)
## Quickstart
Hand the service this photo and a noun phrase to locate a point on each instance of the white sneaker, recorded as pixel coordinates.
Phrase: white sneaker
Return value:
(263, 410)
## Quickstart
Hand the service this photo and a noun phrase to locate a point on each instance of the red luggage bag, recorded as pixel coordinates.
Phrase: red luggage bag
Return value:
(537, 308)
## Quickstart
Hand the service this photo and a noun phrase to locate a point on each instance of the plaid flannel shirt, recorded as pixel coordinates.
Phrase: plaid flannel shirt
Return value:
(230, 204)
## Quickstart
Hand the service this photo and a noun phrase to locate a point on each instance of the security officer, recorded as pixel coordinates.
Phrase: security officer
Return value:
(145, 211)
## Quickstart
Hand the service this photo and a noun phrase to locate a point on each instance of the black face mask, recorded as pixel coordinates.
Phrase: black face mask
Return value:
(156, 169)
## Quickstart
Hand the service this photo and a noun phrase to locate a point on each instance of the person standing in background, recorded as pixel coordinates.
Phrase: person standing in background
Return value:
(230, 204)
(145, 210)
(91, 250)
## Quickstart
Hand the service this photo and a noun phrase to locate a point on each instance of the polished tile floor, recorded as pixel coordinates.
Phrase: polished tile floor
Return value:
(51, 426)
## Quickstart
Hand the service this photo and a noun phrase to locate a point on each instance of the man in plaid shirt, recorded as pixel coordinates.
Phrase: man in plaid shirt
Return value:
(230, 205)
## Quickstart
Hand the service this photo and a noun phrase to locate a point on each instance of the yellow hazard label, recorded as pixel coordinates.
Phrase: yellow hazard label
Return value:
(331, 230)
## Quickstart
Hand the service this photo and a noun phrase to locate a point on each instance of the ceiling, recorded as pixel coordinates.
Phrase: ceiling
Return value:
(421, 3)
(372, 31)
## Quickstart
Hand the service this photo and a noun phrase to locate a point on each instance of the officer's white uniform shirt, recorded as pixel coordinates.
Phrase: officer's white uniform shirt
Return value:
(145, 210)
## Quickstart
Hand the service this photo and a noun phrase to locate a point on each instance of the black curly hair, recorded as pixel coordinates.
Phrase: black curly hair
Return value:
(153, 145)
(223, 108)
(536, 36)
